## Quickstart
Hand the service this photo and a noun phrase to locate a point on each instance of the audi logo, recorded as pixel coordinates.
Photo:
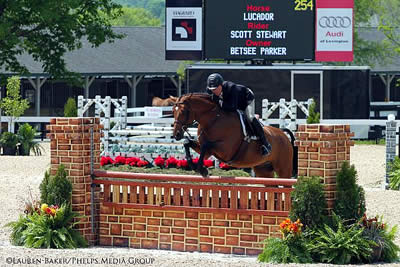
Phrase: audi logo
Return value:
(334, 22)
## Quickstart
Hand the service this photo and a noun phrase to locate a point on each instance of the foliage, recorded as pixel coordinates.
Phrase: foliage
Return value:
(182, 67)
(57, 189)
(391, 250)
(313, 116)
(394, 174)
(13, 105)
(48, 29)
(49, 227)
(308, 202)
(26, 135)
(214, 172)
(9, 139)
(343, 246)
(292, 248)
(390, 22)
(156, 7)
(350, 198)
(43, 187)
(384, 249)
(70, 108)
(135, 17)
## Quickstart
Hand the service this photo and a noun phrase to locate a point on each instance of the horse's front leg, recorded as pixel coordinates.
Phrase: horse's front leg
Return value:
(188, 143)
(200, 165)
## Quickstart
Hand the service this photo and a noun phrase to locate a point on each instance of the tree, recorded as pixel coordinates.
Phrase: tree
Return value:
(12, 105)
(389, 22)
(48, 29)
(367, 52)
(135, 17)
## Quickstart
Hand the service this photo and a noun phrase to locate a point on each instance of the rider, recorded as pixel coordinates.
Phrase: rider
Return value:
(232, 97)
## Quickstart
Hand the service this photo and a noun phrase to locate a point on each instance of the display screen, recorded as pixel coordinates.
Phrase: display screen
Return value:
(259, 29)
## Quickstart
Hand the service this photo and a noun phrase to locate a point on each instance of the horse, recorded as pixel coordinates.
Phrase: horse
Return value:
(220, 134)
(159, 102)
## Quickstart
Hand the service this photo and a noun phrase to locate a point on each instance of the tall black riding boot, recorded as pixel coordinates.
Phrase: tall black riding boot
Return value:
(266, 147)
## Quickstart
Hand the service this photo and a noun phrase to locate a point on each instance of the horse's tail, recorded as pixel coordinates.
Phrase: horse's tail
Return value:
(295, 151)
(290, 133)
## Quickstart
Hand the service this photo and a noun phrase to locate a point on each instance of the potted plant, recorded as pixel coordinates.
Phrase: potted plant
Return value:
(26, 135)
(9, 142)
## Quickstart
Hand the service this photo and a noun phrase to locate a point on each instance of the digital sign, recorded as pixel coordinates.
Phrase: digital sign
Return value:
(259, 29)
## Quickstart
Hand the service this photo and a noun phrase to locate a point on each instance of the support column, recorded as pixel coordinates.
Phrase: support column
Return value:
(70, 146)
(133, 82)
(391, 128)
(88, 82)
(322, 150)
(37, 85)
(387, 80)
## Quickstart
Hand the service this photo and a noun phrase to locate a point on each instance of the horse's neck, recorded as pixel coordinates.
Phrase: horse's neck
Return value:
(204, 111)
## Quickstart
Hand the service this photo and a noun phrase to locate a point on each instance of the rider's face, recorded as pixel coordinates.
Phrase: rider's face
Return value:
(217, 91)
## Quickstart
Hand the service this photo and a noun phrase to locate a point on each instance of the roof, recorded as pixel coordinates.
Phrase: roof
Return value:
(142, 51)
(373, 34)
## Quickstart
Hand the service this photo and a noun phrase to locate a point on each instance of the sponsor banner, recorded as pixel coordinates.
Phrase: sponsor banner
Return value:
(183, 30)
(153, 112)
(334, 30)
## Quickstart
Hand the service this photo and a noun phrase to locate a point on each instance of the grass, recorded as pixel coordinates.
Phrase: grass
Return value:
(381, 141)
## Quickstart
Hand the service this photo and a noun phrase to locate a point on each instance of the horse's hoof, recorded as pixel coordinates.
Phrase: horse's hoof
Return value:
(204, 172)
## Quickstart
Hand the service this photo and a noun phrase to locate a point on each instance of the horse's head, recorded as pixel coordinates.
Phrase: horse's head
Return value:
(182, 115)
(189, 108)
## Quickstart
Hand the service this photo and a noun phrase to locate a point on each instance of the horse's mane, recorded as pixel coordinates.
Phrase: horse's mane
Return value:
(198, 95)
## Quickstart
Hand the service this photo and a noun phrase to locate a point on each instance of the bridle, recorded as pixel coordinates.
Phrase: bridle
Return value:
(183, 125)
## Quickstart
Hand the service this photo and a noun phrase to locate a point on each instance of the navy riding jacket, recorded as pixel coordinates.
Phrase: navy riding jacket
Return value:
(234, 96)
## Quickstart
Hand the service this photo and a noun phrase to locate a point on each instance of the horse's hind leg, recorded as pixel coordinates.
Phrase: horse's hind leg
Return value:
(266, 170)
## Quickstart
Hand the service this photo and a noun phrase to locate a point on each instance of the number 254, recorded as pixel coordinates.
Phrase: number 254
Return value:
(302, 5)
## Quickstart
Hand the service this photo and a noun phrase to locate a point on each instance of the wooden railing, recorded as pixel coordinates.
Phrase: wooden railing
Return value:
(194, 193)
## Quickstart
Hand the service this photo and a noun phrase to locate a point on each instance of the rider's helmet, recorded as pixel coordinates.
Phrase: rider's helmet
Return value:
(214, 80)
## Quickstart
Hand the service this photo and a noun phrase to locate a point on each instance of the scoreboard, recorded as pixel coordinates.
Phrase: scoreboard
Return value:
(268, 30)
(259, 29)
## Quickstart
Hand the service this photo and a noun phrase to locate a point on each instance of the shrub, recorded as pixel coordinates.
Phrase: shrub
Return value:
(70, 109)
(292, 248)
(308, 202)
(26, 135)
(342, 246)
(313, 117)
(43, 187)
(350, 198)
(9, 139)
(50, 227)
(57, 189)
(394, 174)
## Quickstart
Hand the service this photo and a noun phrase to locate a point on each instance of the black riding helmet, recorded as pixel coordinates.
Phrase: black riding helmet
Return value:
(214, 80)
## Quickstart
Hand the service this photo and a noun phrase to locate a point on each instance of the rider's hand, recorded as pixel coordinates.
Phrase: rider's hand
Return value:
(257, 116)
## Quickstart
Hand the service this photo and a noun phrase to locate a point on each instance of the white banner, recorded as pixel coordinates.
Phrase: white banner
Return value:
(334, 29)
(184, 28)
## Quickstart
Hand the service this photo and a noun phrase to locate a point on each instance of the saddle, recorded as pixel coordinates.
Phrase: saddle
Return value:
(247, 128)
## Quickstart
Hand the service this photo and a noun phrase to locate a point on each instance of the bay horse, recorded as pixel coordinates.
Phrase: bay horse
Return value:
(159, 102)
(220, 134)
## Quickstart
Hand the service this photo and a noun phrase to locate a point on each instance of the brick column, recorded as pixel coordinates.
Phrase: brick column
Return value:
(70, 146)
(322, 150)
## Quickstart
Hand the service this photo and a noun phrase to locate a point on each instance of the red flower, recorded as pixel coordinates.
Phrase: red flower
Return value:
(182, 163)
(195, 160)
(105, 161)
(132, 161)
(224, 166)
(120, 160)
(171, 162)
(208, 163)
(142, 163)
(159, 161)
